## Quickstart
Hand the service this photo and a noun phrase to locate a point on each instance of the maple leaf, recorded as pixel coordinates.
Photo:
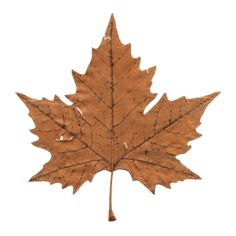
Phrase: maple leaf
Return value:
(105, 128)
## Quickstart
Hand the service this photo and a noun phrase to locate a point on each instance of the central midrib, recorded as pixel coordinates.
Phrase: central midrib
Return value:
(112, 99)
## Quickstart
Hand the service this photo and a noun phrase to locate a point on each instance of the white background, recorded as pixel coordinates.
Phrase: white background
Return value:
(193, 45)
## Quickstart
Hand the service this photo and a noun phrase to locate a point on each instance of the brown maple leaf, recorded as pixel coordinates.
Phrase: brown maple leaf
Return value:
(105, 128)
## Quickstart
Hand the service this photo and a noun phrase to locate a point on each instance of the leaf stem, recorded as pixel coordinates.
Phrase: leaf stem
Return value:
(111, 216)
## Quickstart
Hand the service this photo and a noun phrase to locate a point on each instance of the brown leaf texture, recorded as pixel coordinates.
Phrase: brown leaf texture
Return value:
(105, 127)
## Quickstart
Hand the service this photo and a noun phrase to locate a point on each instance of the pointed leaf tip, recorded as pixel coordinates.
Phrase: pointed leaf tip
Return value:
(112, 18)
(111, 30)
(216, 93)
(20, 95)
(31, 179)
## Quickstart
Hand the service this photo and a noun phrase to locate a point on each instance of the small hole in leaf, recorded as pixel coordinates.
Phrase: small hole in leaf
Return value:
(79, 110)
(107, 38)
(65, 137)
(125, 145)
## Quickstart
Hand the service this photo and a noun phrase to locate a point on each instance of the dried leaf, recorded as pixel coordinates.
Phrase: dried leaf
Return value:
(105, 127)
